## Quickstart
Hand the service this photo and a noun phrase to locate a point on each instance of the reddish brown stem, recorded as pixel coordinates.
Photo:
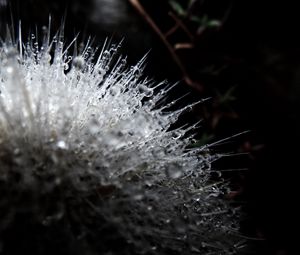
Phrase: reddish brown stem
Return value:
(172, 30)
(181, 25)
(137, 5)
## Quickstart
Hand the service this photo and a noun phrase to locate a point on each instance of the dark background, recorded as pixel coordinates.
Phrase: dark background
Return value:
(255, 54)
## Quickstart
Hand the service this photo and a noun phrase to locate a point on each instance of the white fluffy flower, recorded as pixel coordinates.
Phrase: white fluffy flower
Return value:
(89, 162)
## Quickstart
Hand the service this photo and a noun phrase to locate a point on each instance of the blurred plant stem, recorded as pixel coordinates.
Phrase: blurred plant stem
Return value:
(171, 48)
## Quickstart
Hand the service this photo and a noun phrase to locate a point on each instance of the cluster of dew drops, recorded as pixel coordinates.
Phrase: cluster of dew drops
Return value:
(98, 124)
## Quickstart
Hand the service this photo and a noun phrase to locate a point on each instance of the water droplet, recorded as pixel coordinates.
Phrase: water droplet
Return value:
(145, 91)
(106, 55)
(11, 53)
(89, 49)
(62, 145)
(123, 62)
(176, 135)
(148, 184)
(48, 57)
(136, 72)
(66, 66)
(199, 222)
(174, 171)
(10, 69)
(175, 174)
(138, 197)
(79, 62)
(154, 248)
(48, 220)
(17, 152)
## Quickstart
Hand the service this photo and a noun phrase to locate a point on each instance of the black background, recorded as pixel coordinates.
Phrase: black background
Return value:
(260, 47)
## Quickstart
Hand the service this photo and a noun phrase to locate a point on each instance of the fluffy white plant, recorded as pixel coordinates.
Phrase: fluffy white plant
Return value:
(90, 164)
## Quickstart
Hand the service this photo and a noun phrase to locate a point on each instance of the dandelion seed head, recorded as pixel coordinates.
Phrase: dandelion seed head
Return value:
(82, 130)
